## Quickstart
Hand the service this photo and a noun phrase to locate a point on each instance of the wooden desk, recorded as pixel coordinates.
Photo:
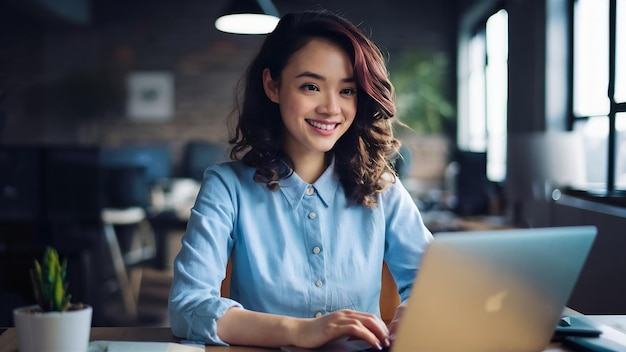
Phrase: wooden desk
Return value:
(8, 340)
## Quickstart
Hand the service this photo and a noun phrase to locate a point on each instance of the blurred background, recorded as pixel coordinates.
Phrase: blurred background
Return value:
(110, 110)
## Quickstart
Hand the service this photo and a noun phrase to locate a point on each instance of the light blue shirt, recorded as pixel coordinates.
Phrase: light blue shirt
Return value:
(299, 251)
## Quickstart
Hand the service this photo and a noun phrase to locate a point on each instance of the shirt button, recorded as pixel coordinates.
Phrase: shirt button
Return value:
(316, 250)
(312, 215)
(309, 191)
(318, 283)
(318, 314)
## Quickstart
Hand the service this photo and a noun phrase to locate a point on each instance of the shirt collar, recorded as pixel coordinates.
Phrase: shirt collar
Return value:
(294, 188)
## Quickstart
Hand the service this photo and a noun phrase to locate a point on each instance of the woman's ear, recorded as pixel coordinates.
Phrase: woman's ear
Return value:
(270, 86)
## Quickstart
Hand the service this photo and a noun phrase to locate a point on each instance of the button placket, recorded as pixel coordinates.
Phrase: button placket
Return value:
(314, 243)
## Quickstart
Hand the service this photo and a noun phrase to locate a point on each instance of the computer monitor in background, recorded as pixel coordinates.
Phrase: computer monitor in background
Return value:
(198, 155)
(471, 185)
(155, 159)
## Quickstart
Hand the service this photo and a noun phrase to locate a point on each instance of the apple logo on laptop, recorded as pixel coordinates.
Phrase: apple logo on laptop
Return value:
(494, 302)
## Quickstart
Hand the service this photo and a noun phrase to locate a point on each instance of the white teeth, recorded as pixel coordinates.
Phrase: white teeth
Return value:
(322, 126)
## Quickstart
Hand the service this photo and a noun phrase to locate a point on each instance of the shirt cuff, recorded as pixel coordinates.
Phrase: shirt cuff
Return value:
(203, 324)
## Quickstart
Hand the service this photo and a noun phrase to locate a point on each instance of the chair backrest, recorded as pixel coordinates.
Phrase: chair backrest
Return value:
(198, 155)
(125, 186)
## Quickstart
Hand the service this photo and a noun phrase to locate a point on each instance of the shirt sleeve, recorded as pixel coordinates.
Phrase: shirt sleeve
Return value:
(195, 303)
(406, 237)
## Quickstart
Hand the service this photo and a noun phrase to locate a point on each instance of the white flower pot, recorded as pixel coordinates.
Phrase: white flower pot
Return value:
(52, 331)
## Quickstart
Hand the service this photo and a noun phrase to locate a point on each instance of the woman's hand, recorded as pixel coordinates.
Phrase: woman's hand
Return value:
(312, 333)
(393, 325)
(239, 326)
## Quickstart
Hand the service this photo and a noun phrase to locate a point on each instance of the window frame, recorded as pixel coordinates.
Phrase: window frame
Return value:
(614, 107)
(476, 26)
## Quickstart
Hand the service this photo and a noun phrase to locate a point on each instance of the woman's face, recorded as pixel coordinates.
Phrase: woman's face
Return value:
(317, 97)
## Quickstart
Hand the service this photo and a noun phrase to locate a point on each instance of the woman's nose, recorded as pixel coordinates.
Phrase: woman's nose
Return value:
(329, 105)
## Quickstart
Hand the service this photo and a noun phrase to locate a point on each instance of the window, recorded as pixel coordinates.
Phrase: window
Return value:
(483, 93)
(599, 90)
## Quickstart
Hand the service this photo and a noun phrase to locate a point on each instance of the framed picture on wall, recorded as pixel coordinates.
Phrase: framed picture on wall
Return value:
(150, 96)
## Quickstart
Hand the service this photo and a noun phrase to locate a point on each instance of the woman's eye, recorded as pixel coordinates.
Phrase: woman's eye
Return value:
(348, 91)
(311, 87)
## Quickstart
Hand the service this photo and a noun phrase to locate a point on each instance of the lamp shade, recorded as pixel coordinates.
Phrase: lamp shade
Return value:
(248, 17)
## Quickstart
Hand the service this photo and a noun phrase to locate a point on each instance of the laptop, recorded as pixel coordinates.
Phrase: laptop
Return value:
(489, 291)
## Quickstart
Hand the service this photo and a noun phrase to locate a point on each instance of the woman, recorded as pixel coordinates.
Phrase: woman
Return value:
(310, 208)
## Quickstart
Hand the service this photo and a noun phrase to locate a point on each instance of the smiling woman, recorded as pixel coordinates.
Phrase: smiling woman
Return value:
(310, 209)
(317, 98)
(366, 149)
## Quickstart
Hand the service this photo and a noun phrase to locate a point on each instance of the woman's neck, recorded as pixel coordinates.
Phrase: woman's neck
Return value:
(310, 166)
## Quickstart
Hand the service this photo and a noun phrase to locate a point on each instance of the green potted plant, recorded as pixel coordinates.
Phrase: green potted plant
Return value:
(54, 324)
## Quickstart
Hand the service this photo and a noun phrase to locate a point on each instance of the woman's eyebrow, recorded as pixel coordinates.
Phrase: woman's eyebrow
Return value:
(311, 75)
(322, 78)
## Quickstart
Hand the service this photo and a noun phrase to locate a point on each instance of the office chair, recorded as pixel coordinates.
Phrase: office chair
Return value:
(130, 241)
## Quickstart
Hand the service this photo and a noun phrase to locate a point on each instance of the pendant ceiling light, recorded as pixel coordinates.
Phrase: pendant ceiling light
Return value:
(248, 17)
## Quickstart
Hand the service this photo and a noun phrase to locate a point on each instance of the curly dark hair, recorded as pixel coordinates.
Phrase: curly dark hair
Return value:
(365, 154)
